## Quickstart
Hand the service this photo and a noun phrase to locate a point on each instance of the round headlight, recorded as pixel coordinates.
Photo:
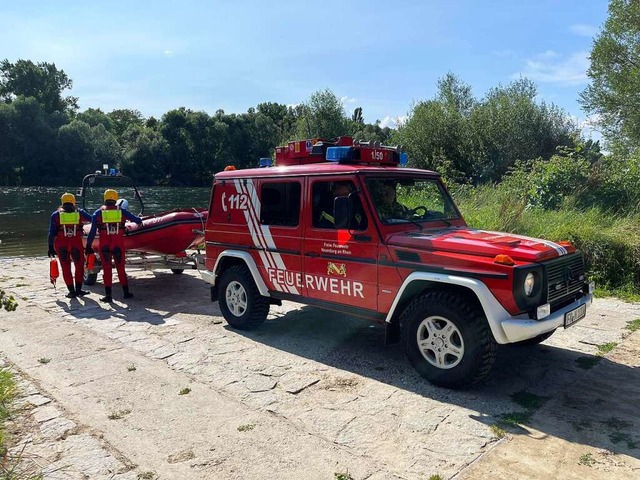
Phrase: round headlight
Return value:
(529, 284)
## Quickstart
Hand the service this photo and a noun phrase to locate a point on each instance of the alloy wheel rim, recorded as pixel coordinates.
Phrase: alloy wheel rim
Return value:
(440, 342)
(236, 297)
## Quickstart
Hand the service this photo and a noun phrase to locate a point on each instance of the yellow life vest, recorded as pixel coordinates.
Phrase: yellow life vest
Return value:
(69, 222)
(112, 220)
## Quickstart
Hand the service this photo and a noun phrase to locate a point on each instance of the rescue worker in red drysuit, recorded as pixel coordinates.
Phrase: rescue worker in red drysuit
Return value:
(65, 241)
(110, 220)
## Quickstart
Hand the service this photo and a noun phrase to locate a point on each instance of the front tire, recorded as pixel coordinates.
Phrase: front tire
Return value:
(177, 271)
(241, 304)
(447, 339)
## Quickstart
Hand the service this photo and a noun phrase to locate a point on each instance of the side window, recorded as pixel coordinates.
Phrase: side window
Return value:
(324, 194)
(280, 204)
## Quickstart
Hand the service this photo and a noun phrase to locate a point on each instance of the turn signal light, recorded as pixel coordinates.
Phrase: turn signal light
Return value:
(504, 260)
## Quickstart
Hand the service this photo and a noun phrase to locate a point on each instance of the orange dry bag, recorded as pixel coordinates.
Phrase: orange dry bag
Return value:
(91, 262)
(53, 271)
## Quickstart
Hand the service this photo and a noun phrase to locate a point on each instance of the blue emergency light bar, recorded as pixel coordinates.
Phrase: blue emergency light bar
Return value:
(264, 162)
(340, 154)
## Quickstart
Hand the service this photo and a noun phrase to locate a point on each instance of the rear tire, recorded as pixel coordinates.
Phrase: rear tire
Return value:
(177, 271)
(241, 304)
(447, 339)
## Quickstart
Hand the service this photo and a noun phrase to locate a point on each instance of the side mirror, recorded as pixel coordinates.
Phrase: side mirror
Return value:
(342, 212)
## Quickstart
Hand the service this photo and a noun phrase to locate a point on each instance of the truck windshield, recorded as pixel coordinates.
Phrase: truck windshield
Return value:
(407, 200)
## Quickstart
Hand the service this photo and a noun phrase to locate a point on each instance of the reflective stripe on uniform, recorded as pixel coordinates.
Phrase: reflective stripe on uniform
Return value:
(72, 218)
(111, 216)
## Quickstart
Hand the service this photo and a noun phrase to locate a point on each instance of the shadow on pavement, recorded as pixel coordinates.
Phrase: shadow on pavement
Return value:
(541, 386)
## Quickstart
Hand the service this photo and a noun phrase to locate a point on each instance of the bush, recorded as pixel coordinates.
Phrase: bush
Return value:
(548, 183)
(611, 243)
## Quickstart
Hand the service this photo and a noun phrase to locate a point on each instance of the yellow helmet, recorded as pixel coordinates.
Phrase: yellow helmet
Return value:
(67, 198)
(110, 194)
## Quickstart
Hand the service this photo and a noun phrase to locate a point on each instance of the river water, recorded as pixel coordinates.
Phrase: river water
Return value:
(25, 211)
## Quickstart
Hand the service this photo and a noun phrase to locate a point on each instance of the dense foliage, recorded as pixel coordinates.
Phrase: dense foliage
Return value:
(615, 76)
(479, 140)
(45, 140)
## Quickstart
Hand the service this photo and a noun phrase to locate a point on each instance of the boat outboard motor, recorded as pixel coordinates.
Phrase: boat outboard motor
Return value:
(122, 203)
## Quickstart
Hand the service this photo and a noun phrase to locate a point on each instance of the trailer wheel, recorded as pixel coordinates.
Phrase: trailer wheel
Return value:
(240, 301)
(447, 339)
(177, 271)
(89, 278)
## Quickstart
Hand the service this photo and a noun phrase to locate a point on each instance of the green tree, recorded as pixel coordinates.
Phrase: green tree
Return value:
(42, 81)
(125, 118)
(145, 152)
(510, 125)
(94, 117)
(436, 135)
(614, 92)
(283, 118)
(322, 116)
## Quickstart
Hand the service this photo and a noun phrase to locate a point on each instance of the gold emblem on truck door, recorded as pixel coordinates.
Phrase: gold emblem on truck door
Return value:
(332, 268)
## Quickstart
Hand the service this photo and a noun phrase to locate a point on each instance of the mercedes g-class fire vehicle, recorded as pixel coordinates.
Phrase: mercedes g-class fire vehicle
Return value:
(346, 226)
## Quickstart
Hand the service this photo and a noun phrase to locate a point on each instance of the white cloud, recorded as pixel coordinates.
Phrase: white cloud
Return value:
(584, 30)
(168, 53)
(347, 100)
(393, 122)
(588, 126)
(551, 67)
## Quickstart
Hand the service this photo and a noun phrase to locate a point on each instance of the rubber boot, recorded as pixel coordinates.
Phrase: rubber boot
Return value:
(127, 293)
(72, 292)
(107, 298)
(79, 291)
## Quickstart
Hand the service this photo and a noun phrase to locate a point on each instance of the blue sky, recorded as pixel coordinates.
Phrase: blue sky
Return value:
(231, 55)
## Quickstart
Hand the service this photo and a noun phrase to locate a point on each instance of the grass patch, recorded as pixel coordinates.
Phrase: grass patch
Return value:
(146, 476)
(342, 476)
(246, 427)
(605, 348)
(17, 285)
(528, 400)
(498, 431)
(9, 464)
(119, 414)
(633, 325)
(587, 363)
(44, 360)
(587, 460)
(435, 477)
(131, 368)
(184, 391)
(516, 419)
(7, 393)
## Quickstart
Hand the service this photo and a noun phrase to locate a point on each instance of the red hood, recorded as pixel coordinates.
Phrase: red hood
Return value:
(481, 242)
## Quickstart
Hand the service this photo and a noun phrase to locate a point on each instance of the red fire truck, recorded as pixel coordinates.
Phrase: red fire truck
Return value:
(346, 226)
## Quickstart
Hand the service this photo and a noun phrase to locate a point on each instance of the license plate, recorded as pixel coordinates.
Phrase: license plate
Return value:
(575, 315)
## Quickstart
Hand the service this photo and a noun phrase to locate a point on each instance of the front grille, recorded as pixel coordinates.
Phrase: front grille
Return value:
(565, 277)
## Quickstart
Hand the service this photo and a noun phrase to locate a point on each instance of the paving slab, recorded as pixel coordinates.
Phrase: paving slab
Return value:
(312, 392)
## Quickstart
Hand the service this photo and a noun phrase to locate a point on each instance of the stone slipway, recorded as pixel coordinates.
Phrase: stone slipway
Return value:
(309, 394)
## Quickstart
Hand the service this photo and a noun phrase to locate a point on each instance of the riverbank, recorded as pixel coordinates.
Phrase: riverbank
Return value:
(171, 389)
